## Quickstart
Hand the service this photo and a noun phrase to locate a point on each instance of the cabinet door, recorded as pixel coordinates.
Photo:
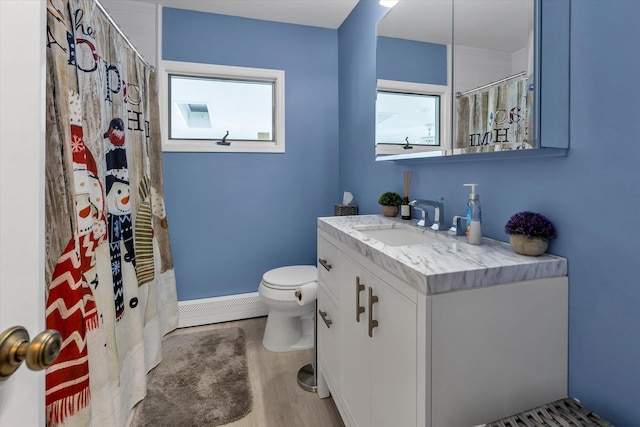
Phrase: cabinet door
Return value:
(356, 362)
(329, 352)
(330, 262)
(498, 350)
(393, 357)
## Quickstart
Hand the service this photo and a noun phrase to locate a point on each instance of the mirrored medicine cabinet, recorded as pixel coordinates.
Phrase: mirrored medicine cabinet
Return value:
(472, 78)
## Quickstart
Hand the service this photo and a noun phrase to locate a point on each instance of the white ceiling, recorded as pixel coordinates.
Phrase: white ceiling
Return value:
(501, 25)
(316, 13)
(496, 24)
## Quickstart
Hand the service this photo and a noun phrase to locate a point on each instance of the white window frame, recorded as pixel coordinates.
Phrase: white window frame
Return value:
(421, 89)
(222, 72)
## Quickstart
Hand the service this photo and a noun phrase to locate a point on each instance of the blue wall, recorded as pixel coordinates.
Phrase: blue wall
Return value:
(592, 195)
(235, 216)
(359, 173)
(411, 61)
(602, 176)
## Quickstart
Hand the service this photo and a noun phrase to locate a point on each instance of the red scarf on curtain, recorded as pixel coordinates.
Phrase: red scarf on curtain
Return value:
(71, 308)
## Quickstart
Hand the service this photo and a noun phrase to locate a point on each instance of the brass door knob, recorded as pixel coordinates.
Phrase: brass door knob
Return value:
(15, 347)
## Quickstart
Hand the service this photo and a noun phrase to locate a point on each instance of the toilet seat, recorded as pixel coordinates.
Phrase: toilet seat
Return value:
(288, 278)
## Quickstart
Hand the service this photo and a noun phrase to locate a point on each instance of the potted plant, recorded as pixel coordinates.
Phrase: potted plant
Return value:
(390, 202)
(529, 233)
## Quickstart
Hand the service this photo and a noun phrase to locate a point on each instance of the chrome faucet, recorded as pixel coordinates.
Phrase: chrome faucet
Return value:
(415, 204)
(438, 217)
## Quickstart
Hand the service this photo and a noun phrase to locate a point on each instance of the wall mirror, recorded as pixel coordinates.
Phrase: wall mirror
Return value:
(479, 59)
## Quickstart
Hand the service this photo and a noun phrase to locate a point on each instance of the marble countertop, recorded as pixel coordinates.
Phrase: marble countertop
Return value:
(449, 264)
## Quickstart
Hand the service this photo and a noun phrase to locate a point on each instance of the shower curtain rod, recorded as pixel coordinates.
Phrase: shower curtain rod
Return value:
(117, 27)
(497, 82)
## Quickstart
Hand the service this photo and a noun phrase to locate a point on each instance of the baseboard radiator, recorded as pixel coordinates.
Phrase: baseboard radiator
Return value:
(220, 309)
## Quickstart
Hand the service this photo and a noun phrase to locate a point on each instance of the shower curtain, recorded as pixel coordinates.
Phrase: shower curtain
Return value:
(496, 118)
(110, 283)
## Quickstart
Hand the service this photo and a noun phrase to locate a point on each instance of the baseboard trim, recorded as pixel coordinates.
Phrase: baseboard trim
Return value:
(205, 311)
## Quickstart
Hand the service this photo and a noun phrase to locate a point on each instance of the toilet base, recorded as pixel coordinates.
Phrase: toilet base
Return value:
(286, 333)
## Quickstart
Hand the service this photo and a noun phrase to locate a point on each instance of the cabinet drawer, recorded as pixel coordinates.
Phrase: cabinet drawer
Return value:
(330, 260)
(328, 330)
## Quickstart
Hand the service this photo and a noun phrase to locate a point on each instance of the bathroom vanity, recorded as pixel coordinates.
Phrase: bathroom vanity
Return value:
(419, 328)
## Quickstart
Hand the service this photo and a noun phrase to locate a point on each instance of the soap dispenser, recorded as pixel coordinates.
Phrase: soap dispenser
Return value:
(474, 217)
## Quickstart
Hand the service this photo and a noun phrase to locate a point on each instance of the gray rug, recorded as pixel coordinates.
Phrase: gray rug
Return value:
(202, 380)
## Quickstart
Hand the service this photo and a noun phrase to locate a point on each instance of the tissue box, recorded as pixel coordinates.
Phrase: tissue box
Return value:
(345, 210)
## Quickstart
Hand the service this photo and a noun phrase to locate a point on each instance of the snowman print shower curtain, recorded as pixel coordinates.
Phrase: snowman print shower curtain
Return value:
(110, 286)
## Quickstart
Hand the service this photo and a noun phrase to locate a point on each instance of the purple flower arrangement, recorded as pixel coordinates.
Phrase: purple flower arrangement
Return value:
(530, 224)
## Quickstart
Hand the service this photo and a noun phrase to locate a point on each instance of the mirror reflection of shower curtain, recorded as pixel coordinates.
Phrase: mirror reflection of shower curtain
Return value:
(110, 284)
(496, 118)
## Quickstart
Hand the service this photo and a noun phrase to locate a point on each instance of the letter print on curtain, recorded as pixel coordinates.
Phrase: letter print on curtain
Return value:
(495, 117)
(111, 301)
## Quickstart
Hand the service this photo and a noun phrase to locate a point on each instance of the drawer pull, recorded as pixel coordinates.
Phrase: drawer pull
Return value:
(359, 308)
(325, 264)
(327, 321)
(372, 323)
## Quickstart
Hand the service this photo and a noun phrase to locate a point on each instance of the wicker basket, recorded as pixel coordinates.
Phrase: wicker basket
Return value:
(566, 412)
(345, 210)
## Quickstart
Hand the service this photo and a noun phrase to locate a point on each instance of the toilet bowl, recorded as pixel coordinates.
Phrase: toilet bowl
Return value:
(289, 324)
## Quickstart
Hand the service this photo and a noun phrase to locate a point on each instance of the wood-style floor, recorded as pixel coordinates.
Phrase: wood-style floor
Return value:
(278, 400)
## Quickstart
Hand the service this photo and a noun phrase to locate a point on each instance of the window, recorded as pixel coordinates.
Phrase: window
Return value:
(407, 118)
(410, 116)
(222, 108)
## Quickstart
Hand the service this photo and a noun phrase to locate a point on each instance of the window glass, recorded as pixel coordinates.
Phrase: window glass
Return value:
(221, 108)
(411, 118)
(208, 108)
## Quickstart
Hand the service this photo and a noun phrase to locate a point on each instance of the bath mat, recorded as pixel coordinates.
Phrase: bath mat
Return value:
(203, 380)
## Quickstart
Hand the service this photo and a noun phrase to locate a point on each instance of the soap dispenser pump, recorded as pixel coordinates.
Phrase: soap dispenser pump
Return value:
(474, 217)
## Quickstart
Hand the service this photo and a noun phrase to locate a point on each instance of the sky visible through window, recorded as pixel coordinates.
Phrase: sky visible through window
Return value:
(404, 115)
(243, 108)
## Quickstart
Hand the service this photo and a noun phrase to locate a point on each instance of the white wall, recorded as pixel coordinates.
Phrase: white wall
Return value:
(22, 296)
(476, 67)
(138, 21)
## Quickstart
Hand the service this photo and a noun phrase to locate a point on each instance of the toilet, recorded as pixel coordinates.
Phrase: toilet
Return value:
(289, 324)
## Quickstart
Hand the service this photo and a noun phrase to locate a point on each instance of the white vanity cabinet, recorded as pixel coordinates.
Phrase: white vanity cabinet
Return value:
(394, 356)
(376, 380)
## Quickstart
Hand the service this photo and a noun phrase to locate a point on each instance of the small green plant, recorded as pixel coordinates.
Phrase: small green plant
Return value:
(390, 199)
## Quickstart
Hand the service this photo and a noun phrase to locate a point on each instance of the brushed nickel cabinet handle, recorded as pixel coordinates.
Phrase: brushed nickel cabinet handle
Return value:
(325, 264)
(372, 323)
(359, 288)
(326, 320)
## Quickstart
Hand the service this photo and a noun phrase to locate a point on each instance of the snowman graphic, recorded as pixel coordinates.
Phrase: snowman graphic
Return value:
(118, 203)
(71, 307)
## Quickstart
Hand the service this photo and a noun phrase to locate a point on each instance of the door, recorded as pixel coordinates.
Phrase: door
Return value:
(22, 36)
(393, 357)
(355, 372)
